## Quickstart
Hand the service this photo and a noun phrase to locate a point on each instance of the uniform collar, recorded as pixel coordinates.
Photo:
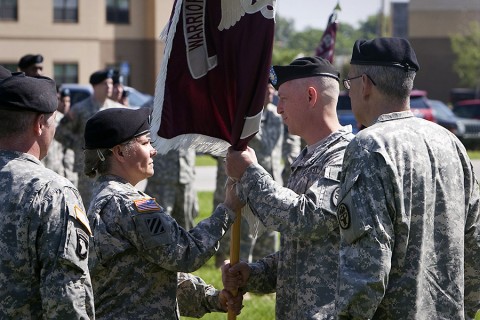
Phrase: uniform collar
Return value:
(395, 116)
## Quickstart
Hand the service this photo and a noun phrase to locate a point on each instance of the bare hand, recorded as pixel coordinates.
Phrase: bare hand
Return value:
(229, 302)
(236, 276)
(231, 198)
(238, 161)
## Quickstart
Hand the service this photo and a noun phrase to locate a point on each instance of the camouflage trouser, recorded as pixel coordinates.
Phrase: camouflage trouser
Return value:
(179, 200)
(251, 248)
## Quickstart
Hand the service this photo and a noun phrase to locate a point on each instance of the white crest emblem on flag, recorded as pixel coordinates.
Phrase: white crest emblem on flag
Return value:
(234, 10)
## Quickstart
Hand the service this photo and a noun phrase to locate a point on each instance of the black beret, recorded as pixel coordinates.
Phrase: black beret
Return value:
(19, 92)
(65, 92)
(29, 59)
(99, 76)
(390, 52)
(114, 126)
(117, 78)
(302, 68)
(4, 73)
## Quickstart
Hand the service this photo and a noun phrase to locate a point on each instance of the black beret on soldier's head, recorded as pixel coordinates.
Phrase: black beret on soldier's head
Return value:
(117, 78)
(114, 126)
(302, 68)
(100, 76)
(4, 73)
(65, 92)
(22, 93)
(389, 52)
(29, 59)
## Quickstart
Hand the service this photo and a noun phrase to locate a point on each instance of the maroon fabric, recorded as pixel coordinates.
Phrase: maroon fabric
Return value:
(326, 47)
(216, 103)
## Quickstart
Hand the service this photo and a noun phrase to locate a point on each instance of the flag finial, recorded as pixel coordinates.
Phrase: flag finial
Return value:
(337, 7)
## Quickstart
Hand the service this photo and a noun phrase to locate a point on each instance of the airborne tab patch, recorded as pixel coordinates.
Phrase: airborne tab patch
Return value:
(146, 205)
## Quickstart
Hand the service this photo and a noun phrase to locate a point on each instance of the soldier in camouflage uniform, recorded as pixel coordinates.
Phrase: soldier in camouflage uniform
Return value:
(291, 147)
(44, 231)
(71, 128)
(137, 248)
(59, 158)
(409, 202)
(172, 185)
(303, 272)
(267, 144)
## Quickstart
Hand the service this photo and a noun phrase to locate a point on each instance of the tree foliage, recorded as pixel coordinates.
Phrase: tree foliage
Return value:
(290, 44)
(467, 49)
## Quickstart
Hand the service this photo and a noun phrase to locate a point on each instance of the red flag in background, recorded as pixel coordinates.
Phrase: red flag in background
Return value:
(211, 86)
(326, 47)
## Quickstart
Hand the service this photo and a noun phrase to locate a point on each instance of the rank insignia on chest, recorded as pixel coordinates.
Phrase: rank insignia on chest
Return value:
(146, 205)
(343, 216)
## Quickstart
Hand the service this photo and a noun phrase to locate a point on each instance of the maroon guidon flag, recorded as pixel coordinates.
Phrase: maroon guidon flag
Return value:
(326, 47)
(211, 85)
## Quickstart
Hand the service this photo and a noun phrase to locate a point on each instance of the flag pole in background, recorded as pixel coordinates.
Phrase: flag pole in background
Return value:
(326, 47)
(210, 89)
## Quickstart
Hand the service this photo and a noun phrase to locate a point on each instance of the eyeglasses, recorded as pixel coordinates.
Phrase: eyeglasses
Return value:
(346, 82)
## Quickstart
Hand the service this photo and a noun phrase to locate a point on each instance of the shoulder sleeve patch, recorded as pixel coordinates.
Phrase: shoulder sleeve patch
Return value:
(82, 218)
(146, 205)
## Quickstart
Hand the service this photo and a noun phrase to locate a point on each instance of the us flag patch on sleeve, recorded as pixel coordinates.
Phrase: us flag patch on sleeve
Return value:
(146, 205)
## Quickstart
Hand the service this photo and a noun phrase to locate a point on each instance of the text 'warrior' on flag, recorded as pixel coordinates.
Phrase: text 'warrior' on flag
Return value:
(211, 86)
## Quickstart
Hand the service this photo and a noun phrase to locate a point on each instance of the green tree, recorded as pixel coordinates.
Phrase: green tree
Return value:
(466, 47)
(284, 29)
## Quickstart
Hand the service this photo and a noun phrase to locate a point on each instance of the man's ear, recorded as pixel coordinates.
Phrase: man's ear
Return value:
(39, 123)
(312, 96)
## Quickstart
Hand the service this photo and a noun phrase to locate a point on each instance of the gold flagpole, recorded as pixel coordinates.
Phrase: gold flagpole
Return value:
(235, 252)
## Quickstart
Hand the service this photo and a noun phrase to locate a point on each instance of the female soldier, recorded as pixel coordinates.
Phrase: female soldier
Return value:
(137, 248)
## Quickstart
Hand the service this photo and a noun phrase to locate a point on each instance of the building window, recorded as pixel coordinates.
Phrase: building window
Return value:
(8, 10)
(65, 10)
(118, 11)
(65, 73)
(11, 66)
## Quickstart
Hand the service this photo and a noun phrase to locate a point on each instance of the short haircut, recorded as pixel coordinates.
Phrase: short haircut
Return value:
(393, 82)
(15, 122)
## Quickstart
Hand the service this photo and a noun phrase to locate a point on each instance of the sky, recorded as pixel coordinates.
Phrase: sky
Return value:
(315, 13)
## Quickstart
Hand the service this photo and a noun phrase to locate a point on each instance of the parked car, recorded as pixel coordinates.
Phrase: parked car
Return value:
(467, 108)
(78, 92)
(444, 116)
(468, 112)
(420, 105)
(344, 112)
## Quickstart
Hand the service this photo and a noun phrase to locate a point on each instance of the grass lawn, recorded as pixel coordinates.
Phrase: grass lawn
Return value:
(256, 307)
(474, 155)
